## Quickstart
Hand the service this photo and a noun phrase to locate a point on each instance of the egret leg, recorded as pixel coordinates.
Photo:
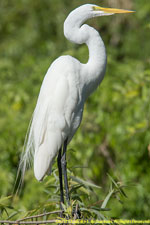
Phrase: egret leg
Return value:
(64, 169)
(60, 179)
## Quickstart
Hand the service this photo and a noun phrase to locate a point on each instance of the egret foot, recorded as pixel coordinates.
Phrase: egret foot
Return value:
(76, 213)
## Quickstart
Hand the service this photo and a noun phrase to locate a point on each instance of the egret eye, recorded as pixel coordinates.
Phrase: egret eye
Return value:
(95, 8)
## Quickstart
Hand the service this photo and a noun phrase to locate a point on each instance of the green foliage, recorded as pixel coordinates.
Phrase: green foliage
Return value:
(114, 136)
(81, 194)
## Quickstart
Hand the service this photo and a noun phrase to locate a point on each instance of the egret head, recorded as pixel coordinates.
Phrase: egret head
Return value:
(100, 11)
(78, 16)
(94, 10)
(87, 11)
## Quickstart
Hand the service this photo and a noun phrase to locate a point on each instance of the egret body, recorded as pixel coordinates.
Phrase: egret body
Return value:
(65, 88)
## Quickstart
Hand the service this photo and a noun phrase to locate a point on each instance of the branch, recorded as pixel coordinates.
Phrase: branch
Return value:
(40, 215)
(27, 222)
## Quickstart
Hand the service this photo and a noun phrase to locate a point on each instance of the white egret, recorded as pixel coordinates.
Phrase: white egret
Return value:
(65, 88)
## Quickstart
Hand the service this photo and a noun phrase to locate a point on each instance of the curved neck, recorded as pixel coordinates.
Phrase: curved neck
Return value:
(96, 64)
(93, 71)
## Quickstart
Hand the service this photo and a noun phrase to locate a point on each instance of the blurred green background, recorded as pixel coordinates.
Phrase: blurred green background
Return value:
(114, 136)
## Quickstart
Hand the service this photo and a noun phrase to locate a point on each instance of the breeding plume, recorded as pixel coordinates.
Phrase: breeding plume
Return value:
(65, 88)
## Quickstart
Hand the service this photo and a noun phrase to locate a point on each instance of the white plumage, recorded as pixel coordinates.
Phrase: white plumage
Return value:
(65, 88)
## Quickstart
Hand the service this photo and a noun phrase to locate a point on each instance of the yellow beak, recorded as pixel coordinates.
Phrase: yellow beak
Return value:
(111, 10)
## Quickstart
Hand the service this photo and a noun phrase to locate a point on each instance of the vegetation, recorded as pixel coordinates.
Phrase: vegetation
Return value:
(114, 136)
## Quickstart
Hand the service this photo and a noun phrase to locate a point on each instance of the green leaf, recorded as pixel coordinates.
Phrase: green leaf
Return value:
(75, 187)
(85, 183)
(12, 215)
(117, 186)
(107, 199)
(99, 208)
(100, 216)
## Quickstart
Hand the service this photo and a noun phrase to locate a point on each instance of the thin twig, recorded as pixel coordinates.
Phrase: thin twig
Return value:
(27, 222)
(40, 215)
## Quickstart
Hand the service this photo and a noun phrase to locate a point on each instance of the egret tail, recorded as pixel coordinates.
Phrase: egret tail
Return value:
(45, 154)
